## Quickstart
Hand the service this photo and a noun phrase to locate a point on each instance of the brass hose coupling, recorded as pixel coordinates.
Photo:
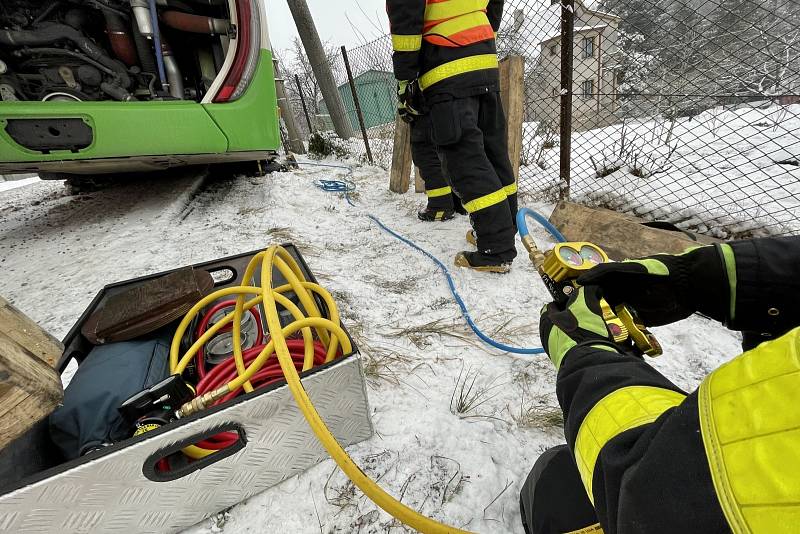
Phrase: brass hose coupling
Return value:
(202, 402)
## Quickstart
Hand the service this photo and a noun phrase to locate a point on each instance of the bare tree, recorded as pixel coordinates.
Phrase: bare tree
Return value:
(301, 66)
(771, 71)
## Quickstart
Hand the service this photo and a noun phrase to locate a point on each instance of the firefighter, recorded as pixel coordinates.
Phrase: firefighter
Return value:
(442, 204)
(446, 51)
(642, 455)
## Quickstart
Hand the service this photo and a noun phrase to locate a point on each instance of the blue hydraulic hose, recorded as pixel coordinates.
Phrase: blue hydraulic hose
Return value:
(522, 224)
(162, 73)
(456, 296)
(335, 186)
(347, 186)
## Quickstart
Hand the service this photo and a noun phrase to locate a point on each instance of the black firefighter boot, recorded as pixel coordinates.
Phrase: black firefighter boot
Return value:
(443, 213)
(435, 214)
(489, 263)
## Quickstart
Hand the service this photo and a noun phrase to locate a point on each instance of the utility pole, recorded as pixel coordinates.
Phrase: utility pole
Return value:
(319, 64)
(295, 143)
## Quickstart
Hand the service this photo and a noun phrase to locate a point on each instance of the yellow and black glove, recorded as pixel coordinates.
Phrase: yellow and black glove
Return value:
(407, 100)
(666, 288)
(578, 323)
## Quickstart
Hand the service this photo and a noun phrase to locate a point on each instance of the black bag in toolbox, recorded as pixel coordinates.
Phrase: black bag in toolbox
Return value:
(109, 375)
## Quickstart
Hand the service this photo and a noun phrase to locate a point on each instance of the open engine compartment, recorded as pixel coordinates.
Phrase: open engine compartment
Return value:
(122, 50)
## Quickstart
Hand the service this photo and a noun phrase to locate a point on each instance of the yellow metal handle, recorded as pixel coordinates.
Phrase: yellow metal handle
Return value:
(641, 336)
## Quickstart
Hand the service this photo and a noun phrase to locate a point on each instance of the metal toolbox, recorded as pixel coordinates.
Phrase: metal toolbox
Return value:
(114, 489)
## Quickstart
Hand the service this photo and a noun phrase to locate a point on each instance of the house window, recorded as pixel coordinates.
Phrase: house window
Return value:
(553, 50)
(587, 89)
(588, 47)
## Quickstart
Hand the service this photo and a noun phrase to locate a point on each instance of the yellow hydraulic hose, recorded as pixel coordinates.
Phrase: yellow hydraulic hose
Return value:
(329, 332)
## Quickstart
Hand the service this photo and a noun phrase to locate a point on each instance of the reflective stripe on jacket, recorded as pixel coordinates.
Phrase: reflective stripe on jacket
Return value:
(447, 44)
(456, 23)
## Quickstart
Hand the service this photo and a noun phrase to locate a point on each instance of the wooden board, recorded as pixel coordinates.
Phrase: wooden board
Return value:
(621, 236)
(401, 157)
(512, 92)
(29, 386)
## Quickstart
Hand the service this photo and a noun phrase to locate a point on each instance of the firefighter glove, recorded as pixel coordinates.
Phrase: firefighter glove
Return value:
(579, 322)
(407, 97)
(666, 288)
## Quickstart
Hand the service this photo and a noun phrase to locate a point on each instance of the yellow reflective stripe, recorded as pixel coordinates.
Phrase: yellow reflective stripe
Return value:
(591, 529)
(730, 268)
(459, 66)
(453, 8)
(485, 201)
(617, 412)
(751, 429)
(406, 43)
(510, 189)
(440, 192)
(459, 24)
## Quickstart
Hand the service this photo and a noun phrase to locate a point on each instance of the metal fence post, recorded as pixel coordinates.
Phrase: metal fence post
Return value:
(303, 101)
(357, 103)
(567, 39)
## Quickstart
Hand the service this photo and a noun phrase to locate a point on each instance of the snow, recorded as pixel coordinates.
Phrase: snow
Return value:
(57, 251)
(13, 184)
(726, 172)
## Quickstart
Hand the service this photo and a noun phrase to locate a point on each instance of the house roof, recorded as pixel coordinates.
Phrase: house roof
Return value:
(580, 29)
(389, 76)
(542, 23)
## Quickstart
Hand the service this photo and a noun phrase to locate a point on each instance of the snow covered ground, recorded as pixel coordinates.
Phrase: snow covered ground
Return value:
(726, 172)
(466, 469)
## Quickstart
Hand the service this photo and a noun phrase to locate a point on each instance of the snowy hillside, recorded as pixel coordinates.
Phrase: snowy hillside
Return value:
(458, 453)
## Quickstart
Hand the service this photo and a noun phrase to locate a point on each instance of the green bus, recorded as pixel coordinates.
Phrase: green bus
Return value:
(98, 87)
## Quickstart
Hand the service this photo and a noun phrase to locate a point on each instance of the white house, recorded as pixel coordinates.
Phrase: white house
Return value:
(594, 79)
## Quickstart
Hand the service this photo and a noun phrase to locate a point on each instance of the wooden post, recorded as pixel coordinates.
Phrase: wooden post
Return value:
(295, 143)
(565, 121)
(512, 91)
(401, 157)
(419, 183)
(29, 386)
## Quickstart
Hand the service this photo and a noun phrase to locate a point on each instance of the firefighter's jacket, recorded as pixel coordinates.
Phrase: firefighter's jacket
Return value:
(447, 45)
(723, 458)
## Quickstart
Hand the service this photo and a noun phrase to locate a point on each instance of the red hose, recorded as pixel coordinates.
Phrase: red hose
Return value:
(225, 372)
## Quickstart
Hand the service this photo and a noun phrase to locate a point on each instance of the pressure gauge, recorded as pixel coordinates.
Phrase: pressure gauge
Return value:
(592, 255)
(568, 260)
(571, 256)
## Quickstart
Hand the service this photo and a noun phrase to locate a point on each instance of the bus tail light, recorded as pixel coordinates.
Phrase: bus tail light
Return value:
(248, 49)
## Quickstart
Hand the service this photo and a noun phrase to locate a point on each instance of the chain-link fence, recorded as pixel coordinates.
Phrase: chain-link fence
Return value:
(685, 111)
(375, 88)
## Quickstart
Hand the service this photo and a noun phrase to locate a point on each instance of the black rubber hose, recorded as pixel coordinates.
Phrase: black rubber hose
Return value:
(145, 52)
(58, 32)
(66, 53)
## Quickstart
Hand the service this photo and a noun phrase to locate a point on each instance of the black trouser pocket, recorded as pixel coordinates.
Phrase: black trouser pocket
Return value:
(446, 123)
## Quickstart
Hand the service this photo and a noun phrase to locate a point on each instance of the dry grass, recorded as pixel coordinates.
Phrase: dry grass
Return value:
(398, 287)
(382, 366)
(282, 234)
(536, 413)
(507, 331)
(470, 393)
(420, 335)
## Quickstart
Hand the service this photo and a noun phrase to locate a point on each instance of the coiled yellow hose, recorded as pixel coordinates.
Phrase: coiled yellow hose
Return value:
(330, 333)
